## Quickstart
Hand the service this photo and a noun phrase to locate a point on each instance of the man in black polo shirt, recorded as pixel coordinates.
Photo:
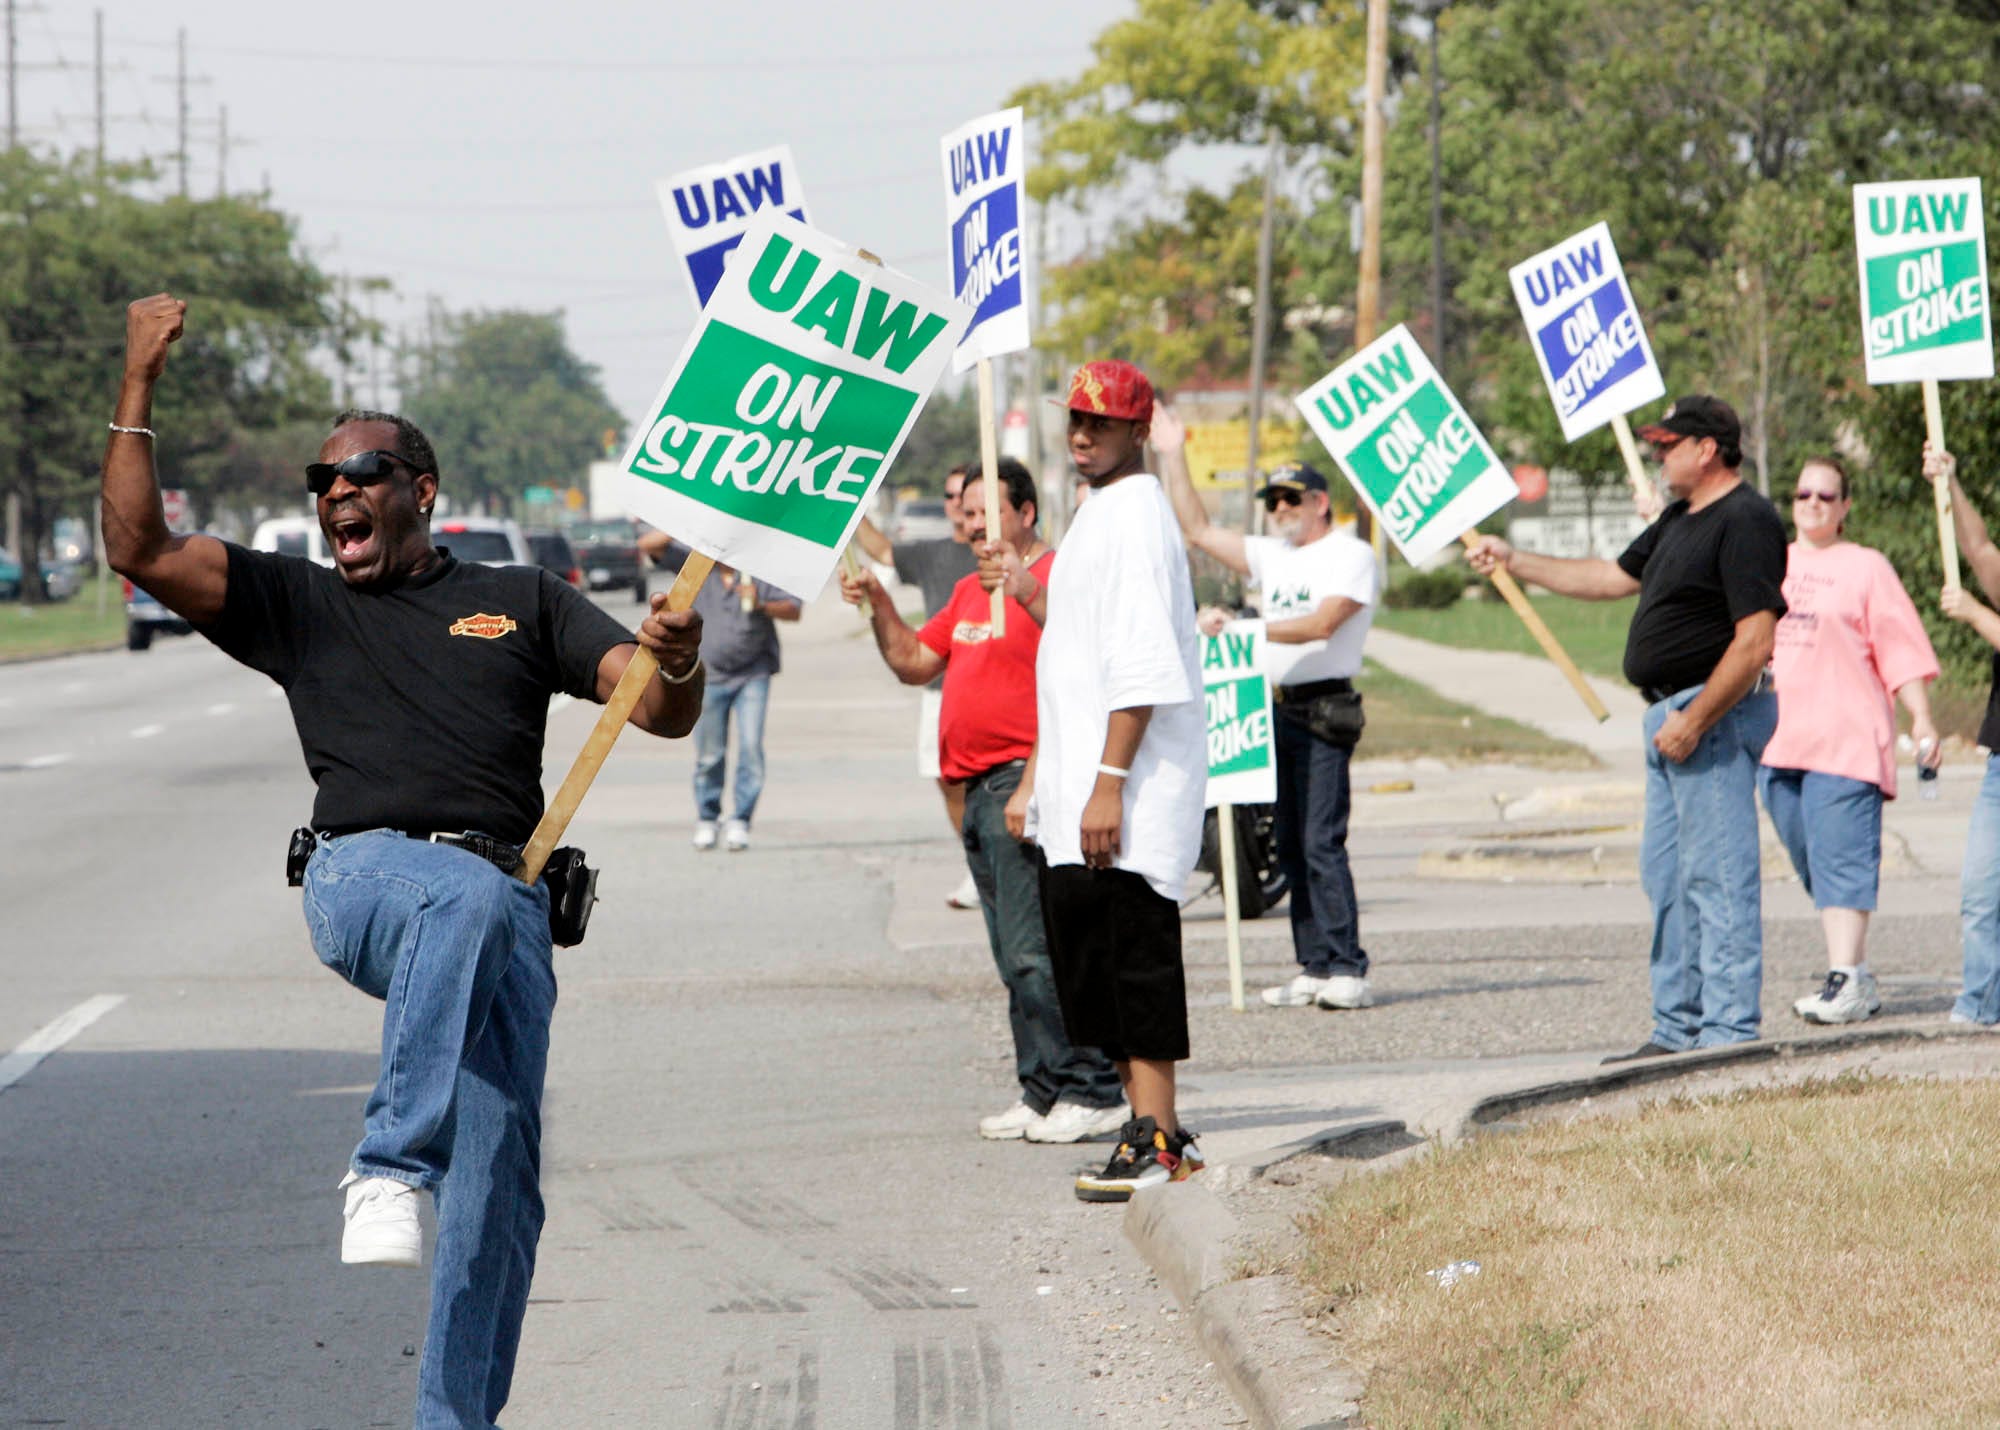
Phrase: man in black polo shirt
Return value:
(420, 688)
(1709, 573)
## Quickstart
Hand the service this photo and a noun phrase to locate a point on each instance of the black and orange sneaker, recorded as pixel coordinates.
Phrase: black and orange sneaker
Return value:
(1145, 1157)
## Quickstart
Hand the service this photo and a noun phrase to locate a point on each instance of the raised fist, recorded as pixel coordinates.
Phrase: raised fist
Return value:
(150, 324)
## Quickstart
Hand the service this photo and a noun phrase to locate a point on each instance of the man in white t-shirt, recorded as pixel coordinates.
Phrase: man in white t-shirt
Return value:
(1319, 588)
(1119, 771)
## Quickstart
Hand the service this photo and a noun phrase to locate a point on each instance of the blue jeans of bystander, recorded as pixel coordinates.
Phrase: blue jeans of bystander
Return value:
(711, 736)
(1698, 862)
(1313, 804)
(459, 952)
(1979, 904)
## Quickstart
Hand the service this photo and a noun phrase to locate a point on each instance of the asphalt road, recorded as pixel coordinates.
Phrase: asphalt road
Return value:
(766, 1204)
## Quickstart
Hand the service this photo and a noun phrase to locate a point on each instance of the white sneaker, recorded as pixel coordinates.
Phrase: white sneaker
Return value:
(382, 1227)
(1299, 993)
(736, 836)
(1344, 990)
(1843, 998)
(1008, 1126)
(704, 834)
(1074, 1122)
(965, 896)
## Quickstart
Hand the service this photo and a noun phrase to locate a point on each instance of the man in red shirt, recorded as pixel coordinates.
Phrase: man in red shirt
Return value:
(985, 735)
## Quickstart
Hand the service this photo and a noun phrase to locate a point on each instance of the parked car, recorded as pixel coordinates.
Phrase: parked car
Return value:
(608, 552)
(145, 618)
(489, 540)
(59, 578)
(920, 519)
(292, 536)
(552, 553)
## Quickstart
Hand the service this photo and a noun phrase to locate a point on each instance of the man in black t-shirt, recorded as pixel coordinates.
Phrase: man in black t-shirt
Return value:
(420, 688)
(1709, 574)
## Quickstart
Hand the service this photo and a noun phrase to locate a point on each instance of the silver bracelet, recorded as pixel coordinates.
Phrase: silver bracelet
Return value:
(135, 431)
(683, 680)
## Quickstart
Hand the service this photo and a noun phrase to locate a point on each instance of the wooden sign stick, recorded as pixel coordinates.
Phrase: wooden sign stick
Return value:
(1644, 497)
(1505, 584)
(1232, 921)
(989, 465)
(1947, 530)
(617, 710)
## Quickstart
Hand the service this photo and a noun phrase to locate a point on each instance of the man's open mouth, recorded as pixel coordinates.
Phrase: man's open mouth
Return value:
(350, 532)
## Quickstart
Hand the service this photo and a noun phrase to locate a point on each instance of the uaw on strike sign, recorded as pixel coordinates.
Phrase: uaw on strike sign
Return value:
(1407, 445)
(710, 209)
(1242, 760)
(787, 405)
(1586, 331)
(984, 202)
(1922, 251)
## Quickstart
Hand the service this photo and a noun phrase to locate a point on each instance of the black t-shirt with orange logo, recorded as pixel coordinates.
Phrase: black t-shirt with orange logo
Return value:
(420, 708)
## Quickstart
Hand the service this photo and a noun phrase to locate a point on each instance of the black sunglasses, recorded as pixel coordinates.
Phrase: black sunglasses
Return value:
(363, 469)
(1282, 497)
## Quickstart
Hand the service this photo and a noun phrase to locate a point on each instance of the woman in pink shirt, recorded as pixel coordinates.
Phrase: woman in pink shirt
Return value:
(1850, 639)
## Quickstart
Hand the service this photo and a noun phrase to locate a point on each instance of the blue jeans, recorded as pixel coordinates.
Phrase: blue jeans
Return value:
(1008, 877)
(711, 737)
(1698, 863)
(1831, 825)
(1313, 805)
(1979, 903)
(459, 952)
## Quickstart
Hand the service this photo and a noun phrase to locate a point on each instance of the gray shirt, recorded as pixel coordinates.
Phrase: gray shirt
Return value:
(736, 646)
(934, 567)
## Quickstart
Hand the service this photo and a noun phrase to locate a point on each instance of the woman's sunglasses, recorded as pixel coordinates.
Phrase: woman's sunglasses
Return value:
(363, 469)
(1808, 494)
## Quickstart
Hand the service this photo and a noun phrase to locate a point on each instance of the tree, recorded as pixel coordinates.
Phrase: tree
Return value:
(70, 241)
(507, 405)
(946, 433)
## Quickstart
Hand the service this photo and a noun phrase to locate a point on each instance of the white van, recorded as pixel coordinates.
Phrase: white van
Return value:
(292, 536)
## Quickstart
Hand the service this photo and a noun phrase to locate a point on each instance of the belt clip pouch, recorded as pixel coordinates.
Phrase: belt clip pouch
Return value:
(296, 855)
(572, 895)
(1336, 718)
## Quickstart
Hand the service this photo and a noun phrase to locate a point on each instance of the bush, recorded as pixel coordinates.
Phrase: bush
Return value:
(1426, 590)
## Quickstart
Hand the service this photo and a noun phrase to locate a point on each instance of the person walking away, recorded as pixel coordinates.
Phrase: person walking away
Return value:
(987, 733)
(1120, 770)
(1709, 575)
(1850, 644)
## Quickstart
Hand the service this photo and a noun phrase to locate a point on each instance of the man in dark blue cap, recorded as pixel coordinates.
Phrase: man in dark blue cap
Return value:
(1319, 586)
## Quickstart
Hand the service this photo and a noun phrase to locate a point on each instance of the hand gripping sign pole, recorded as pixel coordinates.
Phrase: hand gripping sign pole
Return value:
(1920, 247)
(1413, 455)
(1584, 326)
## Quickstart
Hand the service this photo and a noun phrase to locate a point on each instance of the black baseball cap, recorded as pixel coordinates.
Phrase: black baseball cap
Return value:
(1696, 417)
(1299, 478)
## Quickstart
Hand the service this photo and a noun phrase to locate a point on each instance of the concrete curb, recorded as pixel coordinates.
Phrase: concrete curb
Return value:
(1282, 1375)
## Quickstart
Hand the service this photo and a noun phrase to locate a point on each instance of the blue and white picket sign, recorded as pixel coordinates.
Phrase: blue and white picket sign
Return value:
(985, 202)
(1586, 331)
(710, 208)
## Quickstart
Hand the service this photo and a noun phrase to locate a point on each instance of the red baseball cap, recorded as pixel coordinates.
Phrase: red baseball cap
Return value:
(1110, 388)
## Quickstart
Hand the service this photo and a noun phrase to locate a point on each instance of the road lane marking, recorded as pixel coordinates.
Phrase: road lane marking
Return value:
(146, 732)
(43, 762)
(223, 709)
(24, 1059)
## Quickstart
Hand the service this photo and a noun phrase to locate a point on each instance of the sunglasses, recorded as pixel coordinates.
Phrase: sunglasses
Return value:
(1808, 494)
(1660, 449)
(1274, 500)
(363, 469)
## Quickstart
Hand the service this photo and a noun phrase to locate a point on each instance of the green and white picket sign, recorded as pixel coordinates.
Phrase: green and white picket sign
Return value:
(1407, 445)
(1242, 761)
(1921, 247)
(1242, 756)
(1926, 317)
(789, 402)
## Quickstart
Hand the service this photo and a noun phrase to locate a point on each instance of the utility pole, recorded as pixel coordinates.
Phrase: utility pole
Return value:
(1437, 201)
(97, 71)
(1368, 290)
(222, 153)
(13, 83)
(1260, 337)
(181, 94)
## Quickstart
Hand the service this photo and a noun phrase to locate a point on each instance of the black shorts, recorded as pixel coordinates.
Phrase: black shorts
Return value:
(1115, 946)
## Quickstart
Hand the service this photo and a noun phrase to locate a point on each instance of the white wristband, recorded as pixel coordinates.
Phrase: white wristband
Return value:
(684, 679)
(1113, 770)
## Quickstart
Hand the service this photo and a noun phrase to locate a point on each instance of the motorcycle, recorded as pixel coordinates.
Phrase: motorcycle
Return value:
(1260, 881)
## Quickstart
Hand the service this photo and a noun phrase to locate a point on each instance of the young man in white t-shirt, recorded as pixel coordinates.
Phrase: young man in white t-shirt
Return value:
(1120, 769)
(1319, 587)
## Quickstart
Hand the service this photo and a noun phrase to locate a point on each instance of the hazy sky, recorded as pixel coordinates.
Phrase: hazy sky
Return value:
(495, 157)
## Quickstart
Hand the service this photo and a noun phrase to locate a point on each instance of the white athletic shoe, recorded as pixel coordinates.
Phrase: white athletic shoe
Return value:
(965, 896)
(736, 836)
(382, 1227)
(1344, 990)
(1843, 998)
(704, 834)
(1008, 1126)
(1301, 992)
(1074, 1122)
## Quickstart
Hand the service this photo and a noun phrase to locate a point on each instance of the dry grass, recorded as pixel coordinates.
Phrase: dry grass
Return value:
(1814, 1256)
